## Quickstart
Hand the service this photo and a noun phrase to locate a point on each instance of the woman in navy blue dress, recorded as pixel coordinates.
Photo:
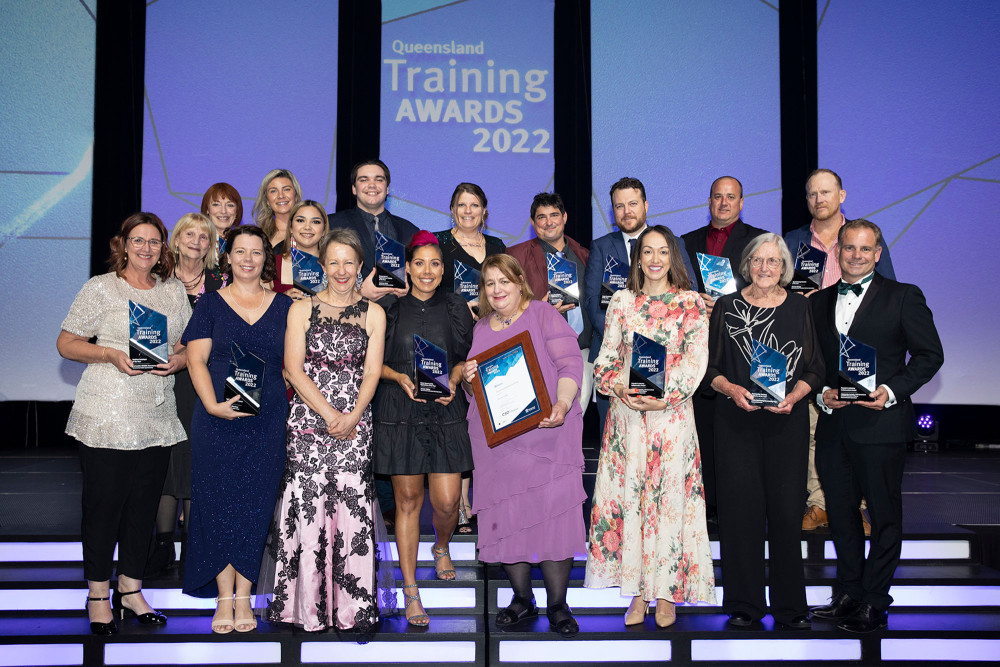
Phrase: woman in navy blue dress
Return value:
(236, 460)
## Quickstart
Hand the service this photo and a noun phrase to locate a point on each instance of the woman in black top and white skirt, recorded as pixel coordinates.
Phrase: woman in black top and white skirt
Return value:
(761, 454)
(415, 437)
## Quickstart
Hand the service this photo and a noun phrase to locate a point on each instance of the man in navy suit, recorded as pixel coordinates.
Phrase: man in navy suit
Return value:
(629, 205)
(370, 185)
(726, 235)
(861, 447)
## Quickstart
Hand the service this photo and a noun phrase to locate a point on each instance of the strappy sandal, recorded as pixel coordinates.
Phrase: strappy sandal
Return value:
(466, 520)
(252, 621)
(222, 626)
(438, 555)
(417, 620)
(511, 615)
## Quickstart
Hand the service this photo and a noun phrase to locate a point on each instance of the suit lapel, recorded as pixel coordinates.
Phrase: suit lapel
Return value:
(619, 244)
(871, 295)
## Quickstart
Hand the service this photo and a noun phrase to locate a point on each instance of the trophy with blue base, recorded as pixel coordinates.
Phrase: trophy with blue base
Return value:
(856, 373)
(467, 282)
(430, 370)
(768, 374)
(564, 285)
(648, 372)
(245, 379)
(147, 337)
(809, 266)
(390, 262)
(307, 273)
(614, 279)
(716, 274)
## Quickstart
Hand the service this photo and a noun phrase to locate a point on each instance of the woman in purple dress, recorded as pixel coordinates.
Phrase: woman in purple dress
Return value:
(323, 539)
(529, 490)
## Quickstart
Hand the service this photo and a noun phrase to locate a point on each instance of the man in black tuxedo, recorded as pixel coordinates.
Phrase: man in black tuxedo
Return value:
(861, 447)
(726, 235)
(370, 185)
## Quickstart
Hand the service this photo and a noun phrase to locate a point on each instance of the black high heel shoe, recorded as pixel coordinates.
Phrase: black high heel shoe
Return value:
(100, 628)
(149, 618)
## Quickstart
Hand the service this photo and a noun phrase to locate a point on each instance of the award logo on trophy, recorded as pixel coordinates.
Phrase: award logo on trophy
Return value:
(430, 369)
(717, 274)
(147, 337)
(390, 262)
(648, 370)
(809, 266)
(564, 284)
(307, 273)
(856, 374)
(768, 371)
(615, 278)
(466, 281)
(245, 379)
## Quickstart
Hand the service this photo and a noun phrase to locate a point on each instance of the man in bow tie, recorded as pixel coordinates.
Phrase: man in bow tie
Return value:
(861, 447)
(824, 195)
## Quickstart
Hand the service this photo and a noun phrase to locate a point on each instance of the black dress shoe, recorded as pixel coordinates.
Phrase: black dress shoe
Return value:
(865, 619)
(740, 619)
(149, 618)
(561, 620)
(841, 606)
(518, 610)
(800, 622)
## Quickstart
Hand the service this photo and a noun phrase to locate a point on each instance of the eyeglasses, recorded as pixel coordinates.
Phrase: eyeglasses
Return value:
(772, 262)
(138, 242)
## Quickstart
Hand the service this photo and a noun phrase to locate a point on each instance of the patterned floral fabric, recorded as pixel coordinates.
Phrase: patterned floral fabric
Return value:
(648, 533)
(323, 540)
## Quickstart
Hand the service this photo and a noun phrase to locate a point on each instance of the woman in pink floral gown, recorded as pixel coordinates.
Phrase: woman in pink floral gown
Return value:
(647, 528)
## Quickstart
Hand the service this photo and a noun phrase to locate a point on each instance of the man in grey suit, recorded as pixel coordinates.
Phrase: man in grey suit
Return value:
(370, 185)
(629, 205)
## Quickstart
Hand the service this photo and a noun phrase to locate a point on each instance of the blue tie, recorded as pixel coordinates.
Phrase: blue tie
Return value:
(574, 316)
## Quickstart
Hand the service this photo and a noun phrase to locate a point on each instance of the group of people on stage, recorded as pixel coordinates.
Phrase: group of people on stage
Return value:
(283, 502)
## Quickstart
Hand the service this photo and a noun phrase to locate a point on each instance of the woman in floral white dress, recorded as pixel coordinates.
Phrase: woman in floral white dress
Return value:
(647, 528)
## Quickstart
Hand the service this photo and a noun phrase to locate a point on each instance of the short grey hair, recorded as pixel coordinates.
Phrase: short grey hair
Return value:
(787, 263)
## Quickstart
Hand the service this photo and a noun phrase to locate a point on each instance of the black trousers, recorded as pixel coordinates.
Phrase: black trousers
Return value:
(121, 490)
(704, 423)
(761, 460)
(849, 470)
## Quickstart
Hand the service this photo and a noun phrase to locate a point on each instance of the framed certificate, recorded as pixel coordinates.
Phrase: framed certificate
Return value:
(510, 390)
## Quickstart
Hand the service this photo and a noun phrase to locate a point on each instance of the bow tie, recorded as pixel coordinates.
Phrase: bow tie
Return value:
(844, 287)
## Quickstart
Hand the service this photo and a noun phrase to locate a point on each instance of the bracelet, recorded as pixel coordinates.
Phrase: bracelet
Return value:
(104, 353)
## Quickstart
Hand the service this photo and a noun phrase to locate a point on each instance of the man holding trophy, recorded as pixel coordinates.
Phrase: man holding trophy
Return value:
(867, 324)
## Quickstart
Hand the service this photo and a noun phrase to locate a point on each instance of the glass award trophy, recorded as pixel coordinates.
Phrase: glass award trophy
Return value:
(222, 247)
(857, 370)
(648, 370)
(716, 274)
(809, 266)
(430, 369)
(307, 274)
(564, 285)
(466, 281)
(245, 379)
(147, 337)
(615, 277)
(768, 371)
(390, 262)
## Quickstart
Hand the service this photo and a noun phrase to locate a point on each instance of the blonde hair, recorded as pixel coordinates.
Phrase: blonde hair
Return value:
(204, 223)
(512, 269)
(263, 214)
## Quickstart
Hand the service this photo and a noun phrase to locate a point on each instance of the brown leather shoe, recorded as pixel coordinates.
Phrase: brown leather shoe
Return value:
(866, 522)
(814, 518)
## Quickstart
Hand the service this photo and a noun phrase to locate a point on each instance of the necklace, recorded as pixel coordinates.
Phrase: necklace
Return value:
(188, 284)
(482, 241)
(505, 321)
(263, 295)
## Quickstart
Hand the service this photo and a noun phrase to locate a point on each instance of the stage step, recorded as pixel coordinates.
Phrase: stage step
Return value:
(706, 639)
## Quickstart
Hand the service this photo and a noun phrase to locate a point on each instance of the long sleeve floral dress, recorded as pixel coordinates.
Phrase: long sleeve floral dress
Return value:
(647, 530)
